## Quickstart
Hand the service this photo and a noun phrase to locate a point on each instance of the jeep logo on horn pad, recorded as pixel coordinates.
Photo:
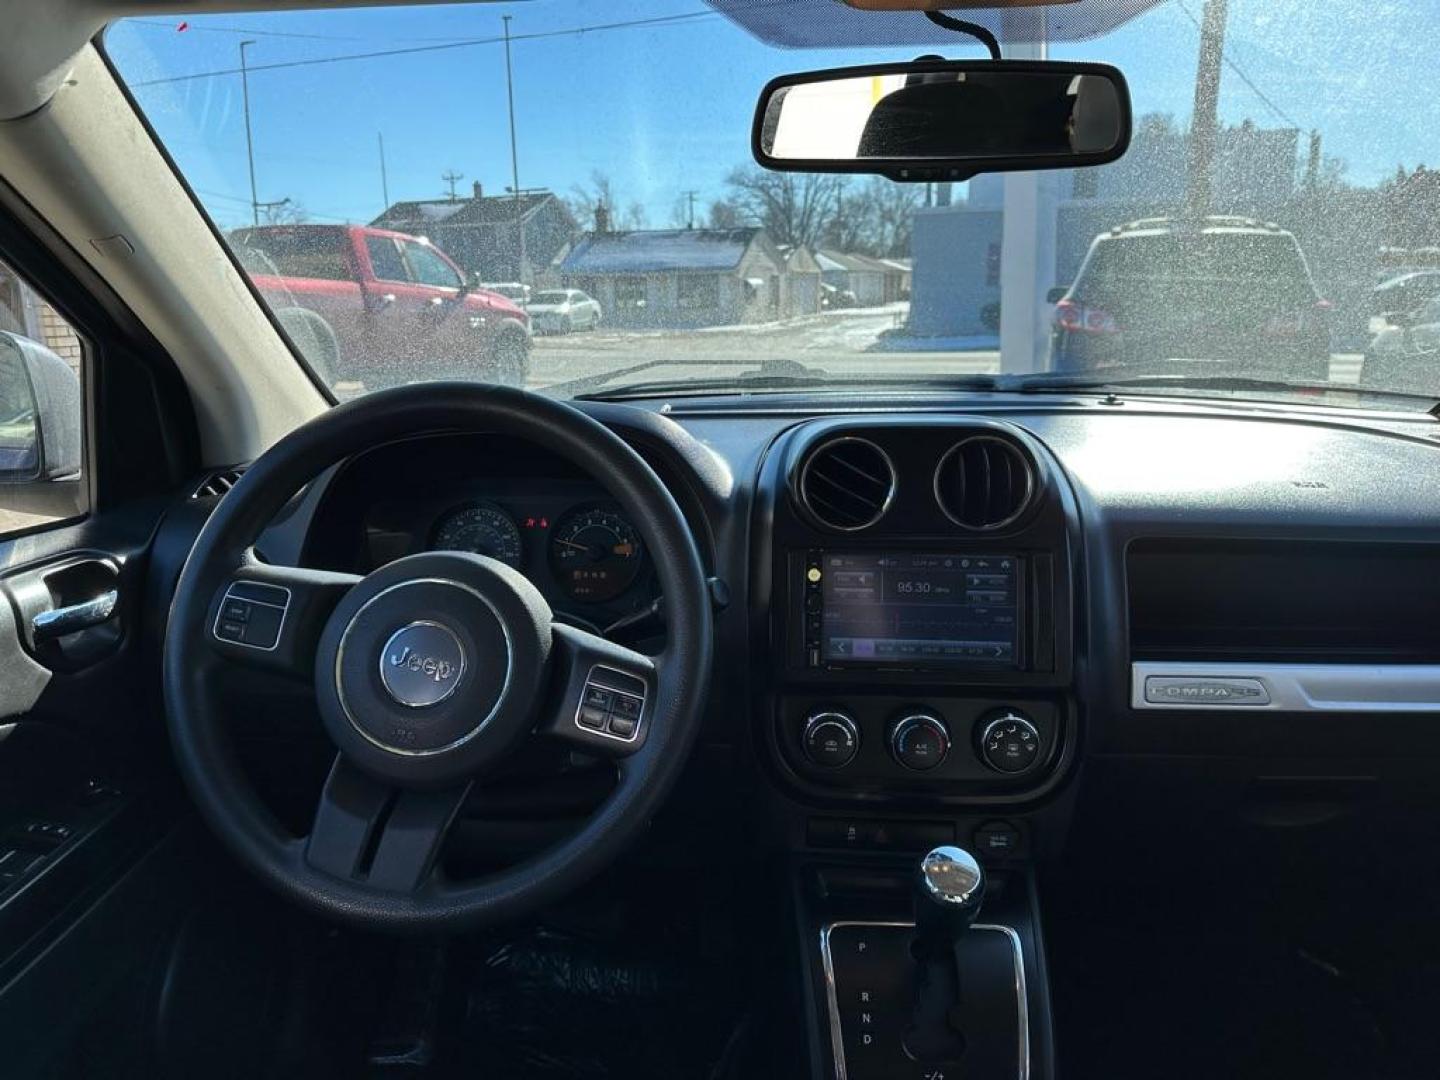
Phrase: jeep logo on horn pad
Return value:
(422, 664)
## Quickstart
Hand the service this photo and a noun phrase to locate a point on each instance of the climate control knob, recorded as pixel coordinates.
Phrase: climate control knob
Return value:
(831, 739)
(1009, 742)
(919, 741)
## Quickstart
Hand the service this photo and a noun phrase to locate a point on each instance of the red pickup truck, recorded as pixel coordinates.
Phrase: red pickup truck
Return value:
(381, 307)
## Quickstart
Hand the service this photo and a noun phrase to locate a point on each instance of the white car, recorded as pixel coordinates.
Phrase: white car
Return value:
(561, 311)
(511, 290)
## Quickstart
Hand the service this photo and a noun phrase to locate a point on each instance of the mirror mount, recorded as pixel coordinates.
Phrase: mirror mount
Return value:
(960, 26)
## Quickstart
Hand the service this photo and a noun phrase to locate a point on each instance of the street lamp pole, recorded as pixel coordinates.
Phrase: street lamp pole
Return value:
(384, 182)
(249, 141)
(514, 154)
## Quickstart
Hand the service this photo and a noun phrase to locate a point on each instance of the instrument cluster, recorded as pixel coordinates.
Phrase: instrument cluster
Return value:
(574, 543)
(592, 551)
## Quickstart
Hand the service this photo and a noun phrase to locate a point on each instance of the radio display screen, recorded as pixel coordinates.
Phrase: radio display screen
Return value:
(918, 610)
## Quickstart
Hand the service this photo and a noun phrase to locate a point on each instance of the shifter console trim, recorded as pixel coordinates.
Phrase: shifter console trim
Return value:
(837, 1037)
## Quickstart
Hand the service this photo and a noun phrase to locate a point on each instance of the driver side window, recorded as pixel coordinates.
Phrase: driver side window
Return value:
(41, 414)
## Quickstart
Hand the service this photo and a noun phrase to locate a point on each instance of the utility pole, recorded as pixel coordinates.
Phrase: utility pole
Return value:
(384, 184)
(1204, 122)
(249, 141)
(514, 152)
(1313, 163)
(689, 197)
(451, 178)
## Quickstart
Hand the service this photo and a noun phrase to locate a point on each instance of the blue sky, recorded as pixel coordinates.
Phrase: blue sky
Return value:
(666, 107)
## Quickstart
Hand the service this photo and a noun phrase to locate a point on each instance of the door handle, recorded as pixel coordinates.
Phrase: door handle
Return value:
(386, 299)
(435, 301)
(57, 622)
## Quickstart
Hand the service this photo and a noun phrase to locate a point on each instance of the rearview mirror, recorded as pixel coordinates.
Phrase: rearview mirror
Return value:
(943, 119)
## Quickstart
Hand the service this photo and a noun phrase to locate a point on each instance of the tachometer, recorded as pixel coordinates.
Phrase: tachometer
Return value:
(595, 554)
(482, 528)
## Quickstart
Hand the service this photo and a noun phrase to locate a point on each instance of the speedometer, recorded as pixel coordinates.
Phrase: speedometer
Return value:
(595, 554)
(482, 528)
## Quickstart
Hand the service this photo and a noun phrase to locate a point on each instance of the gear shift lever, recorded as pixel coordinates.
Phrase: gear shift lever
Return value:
(949, 887)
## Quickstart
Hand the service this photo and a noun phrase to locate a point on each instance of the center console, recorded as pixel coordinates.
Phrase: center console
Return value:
(919, 579)
(914, 691)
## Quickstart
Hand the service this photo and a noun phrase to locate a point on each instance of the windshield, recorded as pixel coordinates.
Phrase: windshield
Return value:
(1273, 227)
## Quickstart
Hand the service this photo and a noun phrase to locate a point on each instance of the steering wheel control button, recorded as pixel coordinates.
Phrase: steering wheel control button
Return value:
(621, 726)
(600, 698)
(920, 741)
(422, 664)
(252, 614)
(830, 739)
(611, 704)
(1010, 743)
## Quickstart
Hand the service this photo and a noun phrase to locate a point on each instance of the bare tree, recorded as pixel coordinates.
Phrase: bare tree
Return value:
(875, 218)
(284, 212)
(794, 208)
(634, 217)
(680, 212)
(724, 214)
(890, 217)
(586, 199)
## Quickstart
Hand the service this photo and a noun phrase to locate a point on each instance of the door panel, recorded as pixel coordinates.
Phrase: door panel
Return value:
(86, 782)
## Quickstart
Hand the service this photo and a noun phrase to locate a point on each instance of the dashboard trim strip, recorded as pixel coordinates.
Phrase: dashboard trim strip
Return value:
(1392, 688)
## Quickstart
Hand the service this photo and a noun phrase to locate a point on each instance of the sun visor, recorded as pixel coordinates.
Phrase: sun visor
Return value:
(827, 24)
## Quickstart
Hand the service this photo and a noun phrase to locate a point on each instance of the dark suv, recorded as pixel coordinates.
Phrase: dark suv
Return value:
(1166, 291)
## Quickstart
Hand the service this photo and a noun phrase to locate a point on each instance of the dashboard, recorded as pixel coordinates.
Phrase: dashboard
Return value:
(954, 609)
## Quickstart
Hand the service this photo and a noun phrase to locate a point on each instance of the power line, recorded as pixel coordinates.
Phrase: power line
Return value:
(188, 28)
(204, 28)
(1240, 73)
(237, 199)
(659, 20)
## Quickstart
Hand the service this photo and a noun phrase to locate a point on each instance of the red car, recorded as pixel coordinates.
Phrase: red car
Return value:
(381, 307)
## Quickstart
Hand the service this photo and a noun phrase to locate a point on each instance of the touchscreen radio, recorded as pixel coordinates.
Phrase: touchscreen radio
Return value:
(912, 610)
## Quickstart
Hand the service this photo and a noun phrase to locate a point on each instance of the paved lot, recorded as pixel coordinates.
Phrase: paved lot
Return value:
(836, 343)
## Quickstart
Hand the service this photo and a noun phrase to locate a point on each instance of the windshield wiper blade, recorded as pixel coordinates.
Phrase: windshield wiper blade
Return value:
(707, 386)
(812, 379)
(587, 387)
(1044, 383)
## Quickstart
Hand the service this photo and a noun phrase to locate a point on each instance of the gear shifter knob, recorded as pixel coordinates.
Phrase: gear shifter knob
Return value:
(949, 888)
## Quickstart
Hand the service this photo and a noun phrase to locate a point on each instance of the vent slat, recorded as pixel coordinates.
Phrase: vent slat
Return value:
(218, 484)
(984, 482)
(846, 484)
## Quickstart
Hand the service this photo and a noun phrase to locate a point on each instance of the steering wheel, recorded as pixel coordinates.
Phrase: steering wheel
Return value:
(428, 674)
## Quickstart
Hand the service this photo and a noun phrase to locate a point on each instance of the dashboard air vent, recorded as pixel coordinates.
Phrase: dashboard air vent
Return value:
(984, 482)
(218, 483)
(847, 483)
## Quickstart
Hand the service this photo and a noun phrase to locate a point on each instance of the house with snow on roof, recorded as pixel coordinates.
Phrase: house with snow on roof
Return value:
(483, 233)
(685, 278)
